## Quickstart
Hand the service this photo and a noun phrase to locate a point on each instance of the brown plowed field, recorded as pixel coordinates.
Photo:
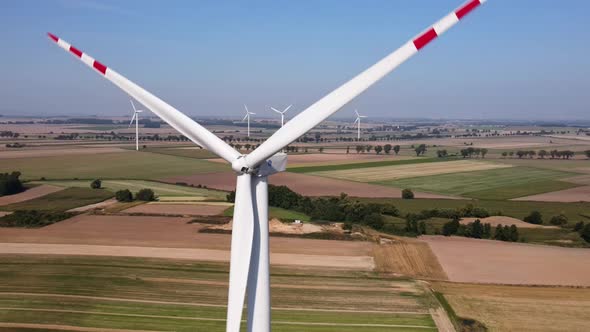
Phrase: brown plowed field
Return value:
(164, 232)
(29, 194)
(410, 258)
(578, 194)
(307, 185)
(488, 261)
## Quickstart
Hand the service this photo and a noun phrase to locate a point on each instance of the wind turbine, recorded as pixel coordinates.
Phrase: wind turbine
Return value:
(358, 120)
(248, 113)
(136, 117)
(249, 258)
(282, 113)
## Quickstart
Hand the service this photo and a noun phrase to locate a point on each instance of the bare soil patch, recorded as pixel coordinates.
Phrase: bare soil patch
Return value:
(276, 226)
(178, 209)
(304, 184)
(164, 232)
(99, 205)
(32, 193)
(408, 257)
(501, 220)
(578, 194)
(487, 261)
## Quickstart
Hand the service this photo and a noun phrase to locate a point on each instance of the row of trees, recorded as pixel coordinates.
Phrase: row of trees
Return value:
(553, 154)
(479, 230)
(126, 195)
(471, 152)
(387, 148)
(10, 183)
(536, 218)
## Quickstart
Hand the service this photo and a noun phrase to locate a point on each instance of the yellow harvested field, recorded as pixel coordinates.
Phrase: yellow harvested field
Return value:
(503, 220)
(408, 257)
(386, 173)
(520, 308)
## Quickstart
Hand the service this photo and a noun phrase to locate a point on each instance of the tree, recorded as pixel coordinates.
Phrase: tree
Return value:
(464, 153)
(487, 231)
(476, 229)
(441, 153)
(543, 153)
(96, 184)
(513, 233)
(484, 151)
(347, 149)
(368, 148)
(124, 195)
(321, 149)
(520, 154)
(420, 150)
(585, 232)
(378, 149)
(587, 153)
(499, 233)
(558, 220)
(451, 227)
(422, 227)
(511, 154)
(10, 183)
(504, 154)
(396, 149)
(407, 194)
(578, 226)
(387, 148)
(146, 195)
(359, 148)
(534, 218)
(375, 220)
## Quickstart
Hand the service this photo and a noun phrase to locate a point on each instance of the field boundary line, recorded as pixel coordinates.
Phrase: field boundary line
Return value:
(68, 327)
(212, 319)
(119, 299)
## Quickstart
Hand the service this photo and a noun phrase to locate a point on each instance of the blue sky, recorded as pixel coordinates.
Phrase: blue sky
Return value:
(509, 59)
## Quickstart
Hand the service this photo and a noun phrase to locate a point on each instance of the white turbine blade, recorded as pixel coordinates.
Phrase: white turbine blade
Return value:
(357, 113)
(246, 107)
(357, 120)
(185, 125)
(251, 113)
(245, 117)
(132, 118)
(276, 110)
(362, 116)
(241, 249)
(286, 109)
(133, 105)
(331, 103)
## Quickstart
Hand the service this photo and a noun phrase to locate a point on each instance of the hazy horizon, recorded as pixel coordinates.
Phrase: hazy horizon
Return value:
(508, 61)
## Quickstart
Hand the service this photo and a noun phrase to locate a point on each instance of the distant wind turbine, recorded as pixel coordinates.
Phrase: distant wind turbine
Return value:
(358, 120)
(248, 113)
(282, 113)
(136, 118)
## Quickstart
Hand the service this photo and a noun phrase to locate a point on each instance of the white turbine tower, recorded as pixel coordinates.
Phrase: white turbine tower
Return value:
(136, 118)
(247, 117)
(358, 120)
(249, 258)
(282, 113)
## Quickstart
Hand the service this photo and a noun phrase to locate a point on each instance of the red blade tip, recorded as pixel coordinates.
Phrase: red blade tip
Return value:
(53, 37)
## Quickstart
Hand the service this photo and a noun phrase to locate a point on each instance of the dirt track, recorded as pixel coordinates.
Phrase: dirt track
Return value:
(308, 185)
(487, 261)
(29, 194)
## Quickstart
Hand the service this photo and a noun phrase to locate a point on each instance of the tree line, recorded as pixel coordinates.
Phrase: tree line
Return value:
(552, 154)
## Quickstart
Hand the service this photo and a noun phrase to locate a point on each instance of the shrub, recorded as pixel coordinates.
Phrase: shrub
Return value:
(585, 232)
(407, 194)
(451, 227)
(96, 184)
(534, 218)
(578, 226)
(558, 220)
(124, 195)
(145, 195)
(10, 183)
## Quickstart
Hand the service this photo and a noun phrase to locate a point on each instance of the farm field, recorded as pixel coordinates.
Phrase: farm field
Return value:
(30, 193)
(161, 189)
(488, 261)
(520, 308)
(62, 200)
(150, 294)
(394, 161)
(177, 209)
(130, 165)
(502, 183)
(187, 152)
(391, 173)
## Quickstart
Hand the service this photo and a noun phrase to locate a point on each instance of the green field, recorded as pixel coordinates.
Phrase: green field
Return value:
(161, 189)
(341, 167)
(124, 165)
(63, 200)
(165, 295)
(503, 183)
